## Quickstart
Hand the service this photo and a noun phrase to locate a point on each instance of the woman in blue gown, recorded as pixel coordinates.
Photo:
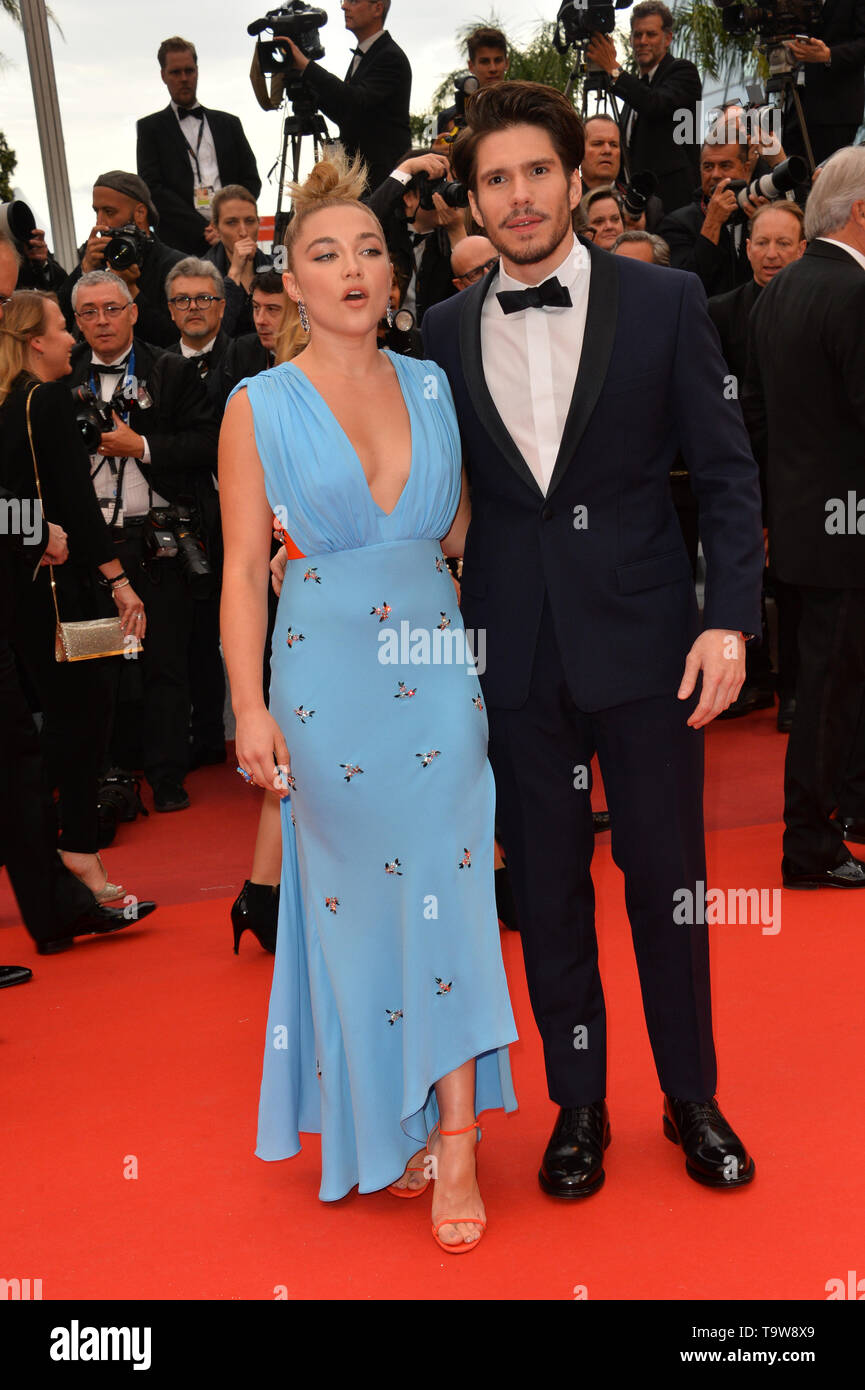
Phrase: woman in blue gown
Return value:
(389, 1015)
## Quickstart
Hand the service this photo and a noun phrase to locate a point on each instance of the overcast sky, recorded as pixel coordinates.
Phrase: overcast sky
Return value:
(108, 76)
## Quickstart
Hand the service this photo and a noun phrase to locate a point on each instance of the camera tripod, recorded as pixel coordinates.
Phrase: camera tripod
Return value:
(305, 120)
(782, 78)
(596, 81)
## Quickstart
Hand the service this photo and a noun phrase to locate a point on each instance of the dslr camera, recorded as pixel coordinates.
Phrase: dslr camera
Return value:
(296, 21)
(774, 185)
(173, 532)
(125, 246)
(94, 417)
(454, 194)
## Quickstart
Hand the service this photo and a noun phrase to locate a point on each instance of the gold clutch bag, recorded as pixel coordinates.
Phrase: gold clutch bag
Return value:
(93, 637)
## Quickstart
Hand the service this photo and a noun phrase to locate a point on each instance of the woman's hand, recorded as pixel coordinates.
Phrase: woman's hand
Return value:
(262, 751)
(277, 569)
(56, 551)
(133, 620)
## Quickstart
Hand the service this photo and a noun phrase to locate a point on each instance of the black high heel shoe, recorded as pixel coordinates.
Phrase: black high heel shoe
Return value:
(256, 907)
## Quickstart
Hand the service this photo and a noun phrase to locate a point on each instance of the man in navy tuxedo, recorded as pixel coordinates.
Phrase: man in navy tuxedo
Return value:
(577, 376)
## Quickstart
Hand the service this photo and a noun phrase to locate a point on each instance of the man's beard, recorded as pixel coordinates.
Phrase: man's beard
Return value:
(533, 254)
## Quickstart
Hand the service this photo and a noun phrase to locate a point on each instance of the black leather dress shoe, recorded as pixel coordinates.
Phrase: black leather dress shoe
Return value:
(850, 874)
(14, 975)
(714, 1153)
(170, 796)
(572, 1165)
(98, 921)
(749, 699)
(851, 829)
(786, 711)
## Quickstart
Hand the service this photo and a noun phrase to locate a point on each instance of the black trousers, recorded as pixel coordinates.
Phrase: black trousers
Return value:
(152, 719)
(49, 897)
(830, 690)
(76, 701)
(652, 765)
(206, 672)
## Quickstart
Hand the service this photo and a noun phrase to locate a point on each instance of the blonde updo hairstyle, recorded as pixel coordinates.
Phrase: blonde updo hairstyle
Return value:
(332, 183)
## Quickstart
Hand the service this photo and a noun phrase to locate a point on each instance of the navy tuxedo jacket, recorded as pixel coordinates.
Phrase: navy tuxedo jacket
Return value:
(650, 383)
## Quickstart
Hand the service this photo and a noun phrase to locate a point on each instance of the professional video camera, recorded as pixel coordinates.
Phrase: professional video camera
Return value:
(173, 531)
(293, 20)
(576, 22)
(774, 185)
(125, 246)
(94, 417)
(455, 194)
(773, 19)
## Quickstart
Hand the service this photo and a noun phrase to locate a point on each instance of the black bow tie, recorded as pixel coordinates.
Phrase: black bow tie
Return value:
(551, 293)
(116, 368)
(418, 237)
(196, 111)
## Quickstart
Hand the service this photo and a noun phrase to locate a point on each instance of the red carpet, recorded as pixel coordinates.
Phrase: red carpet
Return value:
(145, 1051)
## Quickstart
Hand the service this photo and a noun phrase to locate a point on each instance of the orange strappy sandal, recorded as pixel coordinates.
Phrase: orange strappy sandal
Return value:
(412, 1168)
(465, 1246)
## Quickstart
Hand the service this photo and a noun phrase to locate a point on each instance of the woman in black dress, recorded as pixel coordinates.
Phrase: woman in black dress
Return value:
(75, 698)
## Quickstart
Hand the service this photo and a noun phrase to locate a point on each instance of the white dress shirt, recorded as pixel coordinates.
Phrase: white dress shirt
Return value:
(207, 170)
(364, 47)
(198, 352)
(530, 362)
(857, 255)
(135, 499)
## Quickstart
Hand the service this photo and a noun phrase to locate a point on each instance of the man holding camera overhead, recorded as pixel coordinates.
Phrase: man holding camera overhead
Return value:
(123, 206)
(160, 453)
(371, 106)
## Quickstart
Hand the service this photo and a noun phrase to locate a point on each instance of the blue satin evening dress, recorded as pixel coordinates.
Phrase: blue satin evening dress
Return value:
(388, 971)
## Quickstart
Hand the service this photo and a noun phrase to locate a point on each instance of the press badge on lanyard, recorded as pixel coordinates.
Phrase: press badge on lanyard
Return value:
(112, 507)
(202, 193)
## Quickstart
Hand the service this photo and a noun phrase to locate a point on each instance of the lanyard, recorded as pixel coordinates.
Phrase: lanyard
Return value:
(194, 152)
(116, 467)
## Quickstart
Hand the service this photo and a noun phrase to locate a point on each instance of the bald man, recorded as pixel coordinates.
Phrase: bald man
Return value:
(471, 258)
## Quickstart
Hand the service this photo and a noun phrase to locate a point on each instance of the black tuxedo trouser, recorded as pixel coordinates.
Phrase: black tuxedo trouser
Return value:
(49, 897)
(153, 708)
(822, 750)
(652, 766)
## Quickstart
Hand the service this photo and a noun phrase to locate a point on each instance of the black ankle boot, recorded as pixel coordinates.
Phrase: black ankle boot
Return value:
(256, 907)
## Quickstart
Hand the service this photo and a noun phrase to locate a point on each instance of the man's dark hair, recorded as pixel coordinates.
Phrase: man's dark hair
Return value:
(650, 7)
(268, 281)
(175, 45)
(507, 104)
(485, 37)
(231, 191)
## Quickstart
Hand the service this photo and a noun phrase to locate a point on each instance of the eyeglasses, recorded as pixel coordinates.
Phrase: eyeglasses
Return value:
(473, 275)
(112, 311)
(201, 301)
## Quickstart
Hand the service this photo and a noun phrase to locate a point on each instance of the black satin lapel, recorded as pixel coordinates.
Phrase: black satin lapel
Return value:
(601, 315)
(473, 372)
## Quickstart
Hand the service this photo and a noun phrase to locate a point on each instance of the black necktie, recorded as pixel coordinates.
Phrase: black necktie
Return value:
(551, 293)
(196, 111)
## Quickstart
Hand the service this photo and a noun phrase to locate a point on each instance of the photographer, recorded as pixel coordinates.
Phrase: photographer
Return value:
(161, 451)
(804, 407)
(420, 238)
(602, 164)
(833, 93)
(487, 61)
(708, 236)
(371, 106)
(122, 203)
(236, 255)
(186, 152)
(656, 101)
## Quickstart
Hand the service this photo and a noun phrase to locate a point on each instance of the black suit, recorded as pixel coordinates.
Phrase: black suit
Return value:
(371, 107)
(805, 407)
(722, 267)
(210, 366)
(676, 87)
(181, 431)
(162, 160)
(833, 98)
(730, 313)
(434, 278)
(586, 641)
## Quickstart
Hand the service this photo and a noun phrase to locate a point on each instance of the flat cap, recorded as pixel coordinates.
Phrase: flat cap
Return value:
(132, 186)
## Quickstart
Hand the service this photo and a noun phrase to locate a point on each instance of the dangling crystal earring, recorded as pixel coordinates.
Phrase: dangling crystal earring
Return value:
(302, 315)
(389, 315)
